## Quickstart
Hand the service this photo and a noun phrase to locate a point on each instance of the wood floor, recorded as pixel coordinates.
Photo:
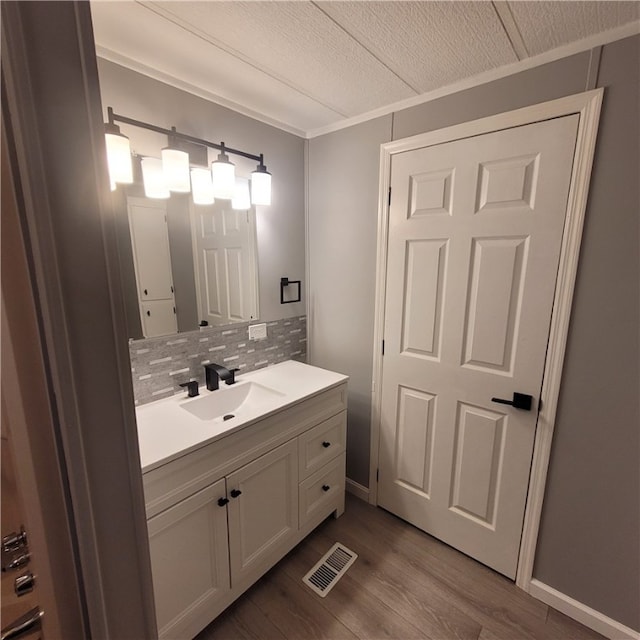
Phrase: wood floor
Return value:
(404, 584)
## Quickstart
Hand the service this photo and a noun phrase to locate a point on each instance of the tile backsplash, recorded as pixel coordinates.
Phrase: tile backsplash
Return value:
(159, 365)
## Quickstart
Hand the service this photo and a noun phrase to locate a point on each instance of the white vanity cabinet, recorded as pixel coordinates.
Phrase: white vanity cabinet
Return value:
(221, 515)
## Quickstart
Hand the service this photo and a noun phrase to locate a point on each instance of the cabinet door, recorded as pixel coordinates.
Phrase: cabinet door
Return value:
(189, 561)
(263, 518)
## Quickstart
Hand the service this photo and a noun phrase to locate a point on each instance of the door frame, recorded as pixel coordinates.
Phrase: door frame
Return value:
(587, 105)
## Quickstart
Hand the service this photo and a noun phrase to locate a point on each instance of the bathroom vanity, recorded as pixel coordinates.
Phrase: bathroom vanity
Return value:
(233, 480)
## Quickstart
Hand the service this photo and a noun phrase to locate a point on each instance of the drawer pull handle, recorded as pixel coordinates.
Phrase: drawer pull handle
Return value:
(222, 501)
(326, 444)
(325, 487)
(235, 493)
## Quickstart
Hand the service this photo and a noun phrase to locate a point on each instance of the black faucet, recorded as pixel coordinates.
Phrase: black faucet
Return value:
(215, 372)
(192, 388)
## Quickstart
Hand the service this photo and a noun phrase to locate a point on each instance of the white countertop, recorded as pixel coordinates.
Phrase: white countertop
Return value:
(166, 431)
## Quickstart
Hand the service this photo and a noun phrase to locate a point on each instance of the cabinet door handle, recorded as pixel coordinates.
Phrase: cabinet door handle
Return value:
(325, 487)
(235, 493)
(326, 444)
(146, 293)
(222, 501)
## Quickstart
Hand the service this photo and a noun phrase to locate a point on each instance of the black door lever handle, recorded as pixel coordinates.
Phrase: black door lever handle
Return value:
(520, 401)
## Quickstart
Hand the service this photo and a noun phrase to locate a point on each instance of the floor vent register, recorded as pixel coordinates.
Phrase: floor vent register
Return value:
(331, 567)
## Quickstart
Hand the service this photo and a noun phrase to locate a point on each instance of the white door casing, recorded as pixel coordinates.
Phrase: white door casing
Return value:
(475, 227)
(587, 106)
(224, 253)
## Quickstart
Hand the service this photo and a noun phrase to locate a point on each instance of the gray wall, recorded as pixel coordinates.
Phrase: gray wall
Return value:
(580, 512)
(343, 205)
(589, 544)
(280, 227)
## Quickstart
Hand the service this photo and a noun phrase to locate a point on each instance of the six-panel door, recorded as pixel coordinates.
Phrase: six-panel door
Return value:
(475, 229)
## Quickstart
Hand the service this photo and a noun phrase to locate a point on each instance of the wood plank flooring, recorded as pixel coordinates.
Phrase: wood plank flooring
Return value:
(404, 584)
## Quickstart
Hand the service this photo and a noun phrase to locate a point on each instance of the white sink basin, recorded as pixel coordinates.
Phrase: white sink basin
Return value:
(228, 401)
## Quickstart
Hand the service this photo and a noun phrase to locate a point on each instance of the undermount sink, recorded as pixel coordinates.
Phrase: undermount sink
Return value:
(226, 402)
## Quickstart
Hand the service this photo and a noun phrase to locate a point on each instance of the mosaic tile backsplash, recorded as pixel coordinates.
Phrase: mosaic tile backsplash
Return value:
(159, 365)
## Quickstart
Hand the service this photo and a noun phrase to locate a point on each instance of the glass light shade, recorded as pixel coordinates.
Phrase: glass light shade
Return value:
(118, 157)
(261, 187)
(153, 179)
(223, 174)
(241, 199)
(175, 164)
(201, 186)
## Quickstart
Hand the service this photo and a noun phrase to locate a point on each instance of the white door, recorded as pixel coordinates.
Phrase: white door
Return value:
(475, 229)
(225, 263)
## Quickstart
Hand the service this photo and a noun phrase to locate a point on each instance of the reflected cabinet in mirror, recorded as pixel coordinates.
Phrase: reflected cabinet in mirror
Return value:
(185, 265)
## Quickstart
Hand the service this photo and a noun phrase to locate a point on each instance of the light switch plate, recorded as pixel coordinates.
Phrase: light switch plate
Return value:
(258, 331)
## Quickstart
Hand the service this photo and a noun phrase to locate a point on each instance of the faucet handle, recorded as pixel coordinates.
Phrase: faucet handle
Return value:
(192, 388)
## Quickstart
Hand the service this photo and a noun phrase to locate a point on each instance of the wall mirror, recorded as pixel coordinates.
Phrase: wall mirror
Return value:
(184, 264)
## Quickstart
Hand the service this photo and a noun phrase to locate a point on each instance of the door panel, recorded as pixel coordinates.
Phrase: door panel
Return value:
(475, 229)
(263, 510)
(188, 545)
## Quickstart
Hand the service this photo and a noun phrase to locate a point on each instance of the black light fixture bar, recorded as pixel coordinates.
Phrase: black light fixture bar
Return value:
(116, 117)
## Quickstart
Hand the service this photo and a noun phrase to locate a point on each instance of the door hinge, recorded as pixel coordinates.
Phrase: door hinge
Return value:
(389, 196)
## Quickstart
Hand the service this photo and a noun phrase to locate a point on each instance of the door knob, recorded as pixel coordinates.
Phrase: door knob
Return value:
(520, 401)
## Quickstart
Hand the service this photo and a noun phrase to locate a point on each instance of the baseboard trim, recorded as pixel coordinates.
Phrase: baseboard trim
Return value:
(581, 612)
(357, 490)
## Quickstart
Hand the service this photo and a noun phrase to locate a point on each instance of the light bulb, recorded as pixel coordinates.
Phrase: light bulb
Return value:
(201, 186)
(223, 174)
(175, 165)
(153, 179)
(241, 199)
(261, 186)
(118, 155)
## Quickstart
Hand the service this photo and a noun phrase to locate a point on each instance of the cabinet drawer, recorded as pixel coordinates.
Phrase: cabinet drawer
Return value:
(320, 490)
(321, 444)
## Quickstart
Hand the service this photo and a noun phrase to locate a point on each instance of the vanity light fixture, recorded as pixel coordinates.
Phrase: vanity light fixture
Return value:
(153, 179)
(261, 185)
(222, 170)
(118, 153)
(223, 174)
(175, 166)
(201, 186)
(241, 199)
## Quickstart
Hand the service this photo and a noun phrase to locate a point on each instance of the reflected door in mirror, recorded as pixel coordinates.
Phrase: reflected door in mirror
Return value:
(224, 242)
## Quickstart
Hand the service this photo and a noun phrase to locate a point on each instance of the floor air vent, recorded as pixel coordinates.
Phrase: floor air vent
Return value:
(331, 567)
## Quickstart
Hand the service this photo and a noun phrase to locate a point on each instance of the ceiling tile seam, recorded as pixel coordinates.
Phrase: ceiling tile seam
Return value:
(173, 19)
(360, 44)
(511, 29)
(178, 83)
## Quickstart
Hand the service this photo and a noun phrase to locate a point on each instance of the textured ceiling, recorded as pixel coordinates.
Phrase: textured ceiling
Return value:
(307, 65)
